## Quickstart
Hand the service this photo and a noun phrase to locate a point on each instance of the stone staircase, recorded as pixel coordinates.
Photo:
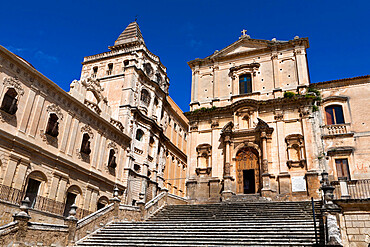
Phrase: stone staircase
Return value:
(259, 223)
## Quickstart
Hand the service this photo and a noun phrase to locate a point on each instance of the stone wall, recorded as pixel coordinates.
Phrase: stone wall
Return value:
(355, 224)
(7, 210)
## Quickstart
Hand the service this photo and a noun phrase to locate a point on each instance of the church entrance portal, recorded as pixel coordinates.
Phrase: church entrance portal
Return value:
(248, 172)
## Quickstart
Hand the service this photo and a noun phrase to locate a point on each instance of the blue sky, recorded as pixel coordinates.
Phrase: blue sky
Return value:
(54, 36)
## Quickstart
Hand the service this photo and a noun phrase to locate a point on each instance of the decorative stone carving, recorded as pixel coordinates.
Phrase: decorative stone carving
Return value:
(214, 124)
(87, 129)
(112, 145)
(53, 108)
(94, 86)
(193, 126)
(304, 111)
(13, 82)
(279, 116)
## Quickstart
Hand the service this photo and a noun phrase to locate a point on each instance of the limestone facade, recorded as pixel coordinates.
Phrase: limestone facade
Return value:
(258, 126)
(117, 126)
(136, 86)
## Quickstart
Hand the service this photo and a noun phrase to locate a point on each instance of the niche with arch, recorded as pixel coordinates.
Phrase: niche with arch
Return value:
(295, 151)
(204, 154)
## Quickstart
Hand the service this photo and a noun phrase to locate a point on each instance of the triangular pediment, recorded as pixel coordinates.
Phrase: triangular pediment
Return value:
(241, 46)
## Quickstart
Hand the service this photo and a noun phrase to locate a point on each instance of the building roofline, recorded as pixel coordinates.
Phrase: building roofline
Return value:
(341, 82)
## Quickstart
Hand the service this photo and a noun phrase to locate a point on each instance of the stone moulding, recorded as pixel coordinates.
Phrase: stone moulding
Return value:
(228, 110)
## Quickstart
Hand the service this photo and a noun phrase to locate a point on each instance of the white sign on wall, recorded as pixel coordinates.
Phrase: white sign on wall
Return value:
(298, 184)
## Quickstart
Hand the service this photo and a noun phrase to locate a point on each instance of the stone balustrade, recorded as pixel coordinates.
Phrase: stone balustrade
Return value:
(351, 189)
(336, 129)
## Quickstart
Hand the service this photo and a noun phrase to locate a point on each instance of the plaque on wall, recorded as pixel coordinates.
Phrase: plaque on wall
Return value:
(298, 183)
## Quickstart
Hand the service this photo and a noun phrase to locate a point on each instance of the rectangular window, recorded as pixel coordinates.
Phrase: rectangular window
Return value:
(334, 115)
(342, 169)
(110, 69)
(245, 84)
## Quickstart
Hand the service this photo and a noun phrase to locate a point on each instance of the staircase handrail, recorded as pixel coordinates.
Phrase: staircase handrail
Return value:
(47, 226)
(155, 200)
(6, 229)
(314, 220)
(128, 207)
(94, 215)
(177, 197)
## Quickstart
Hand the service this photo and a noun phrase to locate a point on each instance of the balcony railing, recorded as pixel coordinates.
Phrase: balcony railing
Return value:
(11, 195)
(336, 129)
(353, 189)
(41, 203)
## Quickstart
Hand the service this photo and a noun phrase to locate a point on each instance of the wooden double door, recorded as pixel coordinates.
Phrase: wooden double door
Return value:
(247, 171)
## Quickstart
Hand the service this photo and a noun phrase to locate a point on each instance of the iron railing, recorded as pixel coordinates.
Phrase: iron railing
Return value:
(351, 189)
(41, 203)
(11, 195)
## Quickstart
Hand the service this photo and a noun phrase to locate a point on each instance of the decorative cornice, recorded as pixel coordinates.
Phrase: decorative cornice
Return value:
(254, 104)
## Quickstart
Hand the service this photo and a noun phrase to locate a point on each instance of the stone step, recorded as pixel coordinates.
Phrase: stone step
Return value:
(220, 224)
(197, 242)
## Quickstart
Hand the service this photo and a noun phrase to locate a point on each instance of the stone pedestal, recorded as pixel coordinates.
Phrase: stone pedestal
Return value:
(331, 212)
(284, 183)
(71, 222)
(22, 218)
(313, 184)
(141, 206)
(227, 193)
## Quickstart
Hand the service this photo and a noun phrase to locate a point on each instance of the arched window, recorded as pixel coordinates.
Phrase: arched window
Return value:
(245, 84)
(145, 97)
(148, 69)
(85, 146)
(34, 182)
(112, 159)
(110, 69)
(10, 101)
(95, 71)
(102, 202)
(52, 128)
(139, 135)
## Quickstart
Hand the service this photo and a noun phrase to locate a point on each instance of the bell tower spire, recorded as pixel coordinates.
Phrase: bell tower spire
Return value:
(130, 36)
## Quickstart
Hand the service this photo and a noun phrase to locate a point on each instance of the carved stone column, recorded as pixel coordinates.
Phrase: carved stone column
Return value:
(266, 188)
(227, 192)
(264, 153)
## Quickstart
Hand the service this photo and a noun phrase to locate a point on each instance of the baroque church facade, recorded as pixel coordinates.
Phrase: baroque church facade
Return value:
(116, 127)
(259, 126)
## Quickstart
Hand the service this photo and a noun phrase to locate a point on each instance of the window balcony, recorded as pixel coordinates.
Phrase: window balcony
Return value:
(351, 189)
(337, 130)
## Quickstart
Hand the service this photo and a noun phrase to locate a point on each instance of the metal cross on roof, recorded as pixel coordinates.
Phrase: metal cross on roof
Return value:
(244, 32)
